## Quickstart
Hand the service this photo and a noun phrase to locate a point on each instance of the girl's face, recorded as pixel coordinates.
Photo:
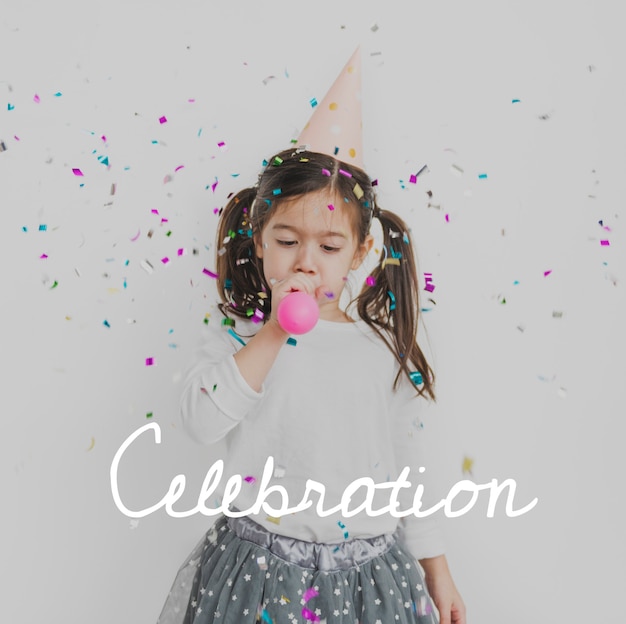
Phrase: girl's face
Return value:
(305, 236)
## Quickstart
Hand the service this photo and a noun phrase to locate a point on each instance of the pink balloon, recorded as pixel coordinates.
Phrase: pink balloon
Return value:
(298, 313)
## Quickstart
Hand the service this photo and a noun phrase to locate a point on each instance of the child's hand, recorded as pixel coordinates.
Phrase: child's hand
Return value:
(443, 591)
(296, 283)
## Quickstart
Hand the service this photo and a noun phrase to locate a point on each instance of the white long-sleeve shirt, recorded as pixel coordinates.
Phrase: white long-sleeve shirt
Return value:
(327, 411)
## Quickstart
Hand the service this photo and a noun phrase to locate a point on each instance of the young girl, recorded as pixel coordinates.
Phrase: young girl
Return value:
(334, 405)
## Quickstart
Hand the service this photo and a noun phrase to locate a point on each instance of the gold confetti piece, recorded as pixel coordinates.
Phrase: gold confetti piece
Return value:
(387, 261)
(272, 519)
(468, 464)
(93, 442)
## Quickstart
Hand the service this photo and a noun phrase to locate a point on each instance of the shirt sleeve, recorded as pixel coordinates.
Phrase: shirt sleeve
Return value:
(215, 397)
(422, 536)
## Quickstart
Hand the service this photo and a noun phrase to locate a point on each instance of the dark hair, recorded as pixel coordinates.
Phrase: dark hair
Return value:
(388, 302)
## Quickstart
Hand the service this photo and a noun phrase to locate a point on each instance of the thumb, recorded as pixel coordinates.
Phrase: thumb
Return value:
(323, 294)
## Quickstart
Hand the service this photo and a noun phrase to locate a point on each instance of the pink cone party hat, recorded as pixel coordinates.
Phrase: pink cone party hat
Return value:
(335, 127)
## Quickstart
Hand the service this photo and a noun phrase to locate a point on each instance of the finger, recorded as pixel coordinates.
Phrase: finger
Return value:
(444, 613)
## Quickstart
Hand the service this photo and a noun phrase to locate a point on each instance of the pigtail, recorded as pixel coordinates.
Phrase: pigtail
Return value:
(240, 282)
(389, 302)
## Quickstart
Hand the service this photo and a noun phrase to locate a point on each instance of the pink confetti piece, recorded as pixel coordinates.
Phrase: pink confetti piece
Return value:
(163, 119)
(134, 238)
(222, 145)
(326, 172)
(214, 185)
(307, 614)
(310, 593)
(447, 218)
(413, 179)
(182, 252)
(43, 256)
(210, 273)
(36, 99)
(150, 361)
(77, 172)
(249, 479)
(165, 260)
(331, 207)
(604, 243)
(345, 173)
(546, 273)
(179, 168)
(104, 139)
(154, 211)
(371, 280)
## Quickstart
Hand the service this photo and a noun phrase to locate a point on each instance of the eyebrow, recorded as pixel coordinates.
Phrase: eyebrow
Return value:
(291, 228)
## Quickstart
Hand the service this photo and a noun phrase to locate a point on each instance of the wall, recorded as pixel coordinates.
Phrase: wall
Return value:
(516, 108)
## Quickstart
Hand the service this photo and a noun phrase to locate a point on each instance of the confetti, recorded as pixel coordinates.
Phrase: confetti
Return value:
(416, 378)
(370, 280)
(77, 172)
(313, 102)
(343, 526)
(93, 442)
(236, 337)
(277, 191)
(604, 243)
(392, 306)
(482, 176)
(150, 362)
(273, 519)
(250, 479)
(210, 273)
(163, 119)
(149, 415)
(36, 99)
(326, 172)
(467, 465)
(331, 207)
(358, 191)
(345, 173)
(3, 146)
(546, 273)
(307, 614)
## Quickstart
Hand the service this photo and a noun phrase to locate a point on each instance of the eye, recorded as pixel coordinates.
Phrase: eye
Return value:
(288, 243)
(329, 248)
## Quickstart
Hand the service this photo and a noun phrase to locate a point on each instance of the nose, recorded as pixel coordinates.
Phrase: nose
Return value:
(305, 260)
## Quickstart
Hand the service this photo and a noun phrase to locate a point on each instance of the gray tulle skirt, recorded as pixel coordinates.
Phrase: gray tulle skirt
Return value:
(240, 573)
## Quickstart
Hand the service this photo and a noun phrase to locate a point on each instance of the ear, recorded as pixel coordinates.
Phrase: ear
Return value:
(361, 252)
(258, 245)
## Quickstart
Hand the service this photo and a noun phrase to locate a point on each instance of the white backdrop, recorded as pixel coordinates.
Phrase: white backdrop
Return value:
(517, 110)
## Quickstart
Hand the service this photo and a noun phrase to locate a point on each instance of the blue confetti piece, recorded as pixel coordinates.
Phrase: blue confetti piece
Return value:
(416, 378)
(393, 300)
(292, 341)
(106, 323)
(313, 102)
(482, 176)
(234, 335)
